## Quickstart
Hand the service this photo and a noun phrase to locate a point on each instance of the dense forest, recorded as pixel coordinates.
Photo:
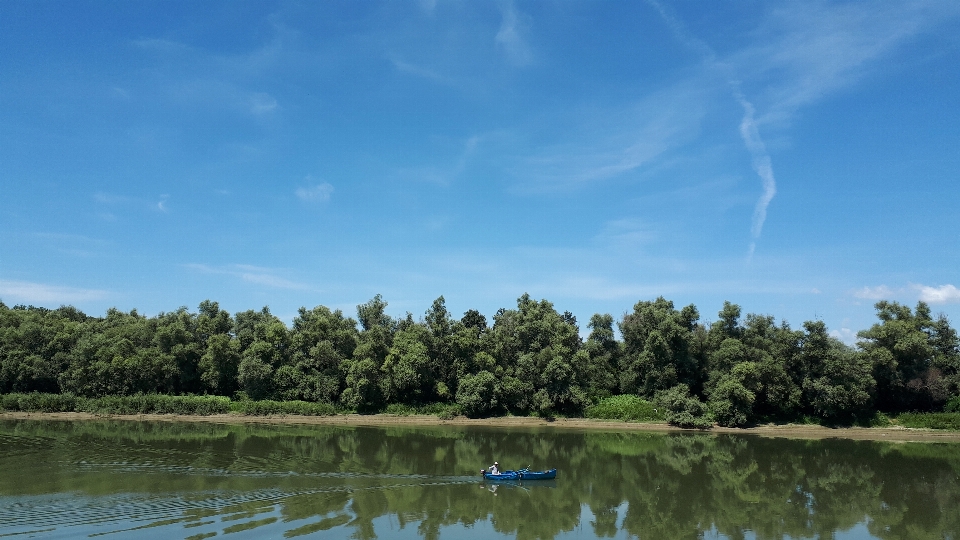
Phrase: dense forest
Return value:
(735, 371)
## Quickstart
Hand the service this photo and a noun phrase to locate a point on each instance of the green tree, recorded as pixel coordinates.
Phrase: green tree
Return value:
(264, 347)
(443, 348)
(118, 356)
(406, 373)
(467, 342)
(603, 353)
(656, 348)
(908, 350)
(539, 357)
(838, 383)
(321, 340)
(177, 336)
(219, 364)
(363, 390)
(36, 346)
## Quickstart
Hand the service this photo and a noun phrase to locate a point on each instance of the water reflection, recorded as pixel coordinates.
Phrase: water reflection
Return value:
(69, 479)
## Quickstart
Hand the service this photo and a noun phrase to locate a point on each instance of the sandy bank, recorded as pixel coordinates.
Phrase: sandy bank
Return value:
(794, 431)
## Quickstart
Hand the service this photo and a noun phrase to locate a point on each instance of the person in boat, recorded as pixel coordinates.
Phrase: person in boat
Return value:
(494, 469)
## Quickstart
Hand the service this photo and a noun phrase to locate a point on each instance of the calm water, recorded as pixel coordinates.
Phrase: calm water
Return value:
(169, 480)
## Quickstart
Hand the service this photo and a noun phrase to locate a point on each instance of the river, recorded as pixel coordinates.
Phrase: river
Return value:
(127, 479)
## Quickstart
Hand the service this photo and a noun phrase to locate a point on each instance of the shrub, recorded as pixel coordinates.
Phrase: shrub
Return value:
(949, 420)
(38, 402)
(449, 411)
(268, 407)
(477, 394)
(628, 407)
(156, 404)
(684, 410)
(445, 411)
(953, 406)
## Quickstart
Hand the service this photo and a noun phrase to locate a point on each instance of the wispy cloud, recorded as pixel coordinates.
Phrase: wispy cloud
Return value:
(72, 244)
(262, 103)
(194, 76)
(412, 69)
(114, 200)
(509, 37)
(42, 293)
(749, 132)
(681, 33)
(806, 50)
(315, 193)
(628, 233)
(258, 275)
(615, 141)
(802, 52)
(444, 174)
(428, 6)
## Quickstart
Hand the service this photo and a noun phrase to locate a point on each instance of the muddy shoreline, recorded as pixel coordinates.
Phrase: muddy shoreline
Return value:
(793, 431)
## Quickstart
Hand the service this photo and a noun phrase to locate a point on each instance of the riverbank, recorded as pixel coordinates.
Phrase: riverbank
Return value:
(792, 431)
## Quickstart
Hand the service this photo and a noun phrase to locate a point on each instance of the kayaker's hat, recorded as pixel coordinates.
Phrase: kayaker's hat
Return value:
(496, 463)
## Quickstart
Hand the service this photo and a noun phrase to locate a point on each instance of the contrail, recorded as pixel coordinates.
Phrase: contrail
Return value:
(748, 126)
(761, 164)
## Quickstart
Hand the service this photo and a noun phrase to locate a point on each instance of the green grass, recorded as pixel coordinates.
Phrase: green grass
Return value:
(628, 408)
(949, 420)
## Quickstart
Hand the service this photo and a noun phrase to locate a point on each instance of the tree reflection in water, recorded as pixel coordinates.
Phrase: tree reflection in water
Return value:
(204, 479)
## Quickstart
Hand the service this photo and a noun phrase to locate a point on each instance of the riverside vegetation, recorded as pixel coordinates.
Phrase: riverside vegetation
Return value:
(668, 366)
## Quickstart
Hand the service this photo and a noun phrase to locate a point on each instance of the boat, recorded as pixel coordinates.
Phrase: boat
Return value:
(522, 474)
(538, 475)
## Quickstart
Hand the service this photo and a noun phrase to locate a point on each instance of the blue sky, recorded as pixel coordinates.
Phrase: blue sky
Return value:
(801, 159)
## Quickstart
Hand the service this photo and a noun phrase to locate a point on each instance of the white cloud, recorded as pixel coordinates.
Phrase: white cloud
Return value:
(316, 193)
(252, 274)
(944, 294)
(845, 335)
(41, 293)
(874, 293)
(509, 38)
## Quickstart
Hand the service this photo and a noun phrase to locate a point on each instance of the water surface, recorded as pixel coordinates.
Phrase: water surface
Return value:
(126, 479)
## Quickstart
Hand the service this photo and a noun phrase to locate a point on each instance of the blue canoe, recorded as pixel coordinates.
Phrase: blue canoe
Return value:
(522, 474)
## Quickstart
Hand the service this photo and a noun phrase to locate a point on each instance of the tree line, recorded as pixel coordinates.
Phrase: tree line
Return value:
(530, 359)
